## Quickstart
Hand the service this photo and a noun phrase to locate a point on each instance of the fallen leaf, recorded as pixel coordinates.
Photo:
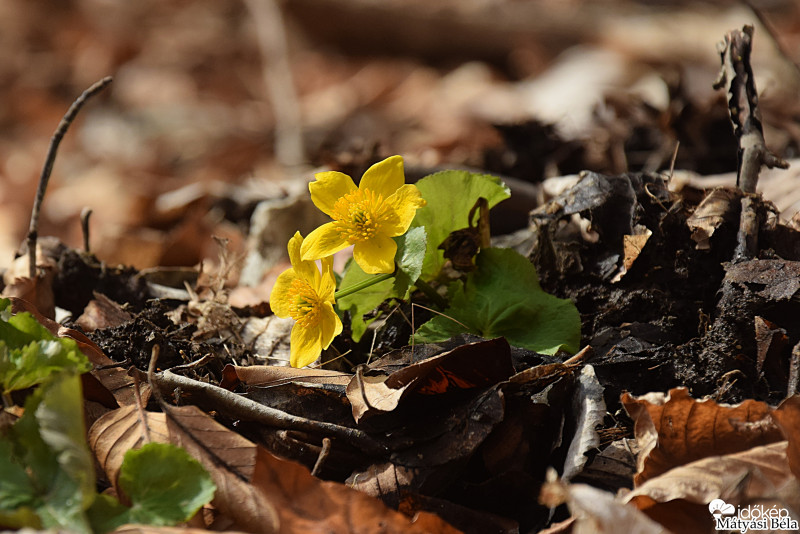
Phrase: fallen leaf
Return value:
(719, 206)
(230, 459)
(679, 498)
(469, 367)
(272, 375)
(115, 433)
(589, 408)
(675, 429)
(102, 312)
(595, 511)
(306, 504)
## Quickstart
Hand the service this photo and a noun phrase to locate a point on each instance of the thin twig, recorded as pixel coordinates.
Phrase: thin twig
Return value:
(794, 371)
(277, 73)
(72, 112)
(323, 455)
(140, 408)
(85, 214)
(747, 237)
(238, 407)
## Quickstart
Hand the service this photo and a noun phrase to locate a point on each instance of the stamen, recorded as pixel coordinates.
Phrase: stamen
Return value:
(360, 215)
(305, 303)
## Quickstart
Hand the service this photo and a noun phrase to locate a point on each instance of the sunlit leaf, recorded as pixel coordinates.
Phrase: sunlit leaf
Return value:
(502, 297)
(450, 196)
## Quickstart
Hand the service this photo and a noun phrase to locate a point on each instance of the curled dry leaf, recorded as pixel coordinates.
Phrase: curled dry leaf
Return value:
(588, 404)
(597, 512)
(469, 367)
(675, 429)
(102, 312)
(679, 498)
(719, 206)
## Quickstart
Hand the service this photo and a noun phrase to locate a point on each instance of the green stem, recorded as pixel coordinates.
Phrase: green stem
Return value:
(431, 293)
(361, 285)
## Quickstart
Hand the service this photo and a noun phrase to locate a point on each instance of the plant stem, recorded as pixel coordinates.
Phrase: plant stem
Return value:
(361, 285)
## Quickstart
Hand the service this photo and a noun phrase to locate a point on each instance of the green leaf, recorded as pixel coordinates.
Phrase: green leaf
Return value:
(16, 489)
(107, 513)
(29, 353)
(450, 195)
(166, 486)
(362, 301)
(502, 297)
(50, 443)
(411, 249)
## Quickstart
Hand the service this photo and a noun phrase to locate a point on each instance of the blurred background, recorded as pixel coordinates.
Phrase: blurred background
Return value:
(219, 105)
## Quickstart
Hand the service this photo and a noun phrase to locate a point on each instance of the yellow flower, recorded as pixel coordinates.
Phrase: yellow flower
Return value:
(368, 217)
(306, 296)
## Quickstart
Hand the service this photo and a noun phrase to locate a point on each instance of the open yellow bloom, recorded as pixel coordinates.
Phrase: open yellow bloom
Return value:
(306, 295)
(367, 216)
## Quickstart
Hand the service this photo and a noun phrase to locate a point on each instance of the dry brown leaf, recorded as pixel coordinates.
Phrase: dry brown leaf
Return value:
(719, 205)
(102, 312)
(260, 375)
(117, 432)
(675, 429)
(679, 498)
(230, 459)
(788, 418)
(306, 504)
(632, 245)
(595, 511)
(471, 366)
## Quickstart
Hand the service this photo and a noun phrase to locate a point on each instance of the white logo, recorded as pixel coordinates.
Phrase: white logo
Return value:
(719, 507)
(753, 517)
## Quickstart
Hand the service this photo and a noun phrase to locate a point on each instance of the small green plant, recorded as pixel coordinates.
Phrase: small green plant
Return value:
(397, 230)
(47, 477)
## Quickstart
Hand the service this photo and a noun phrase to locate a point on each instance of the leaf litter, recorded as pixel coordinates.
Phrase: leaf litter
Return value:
(689, 351)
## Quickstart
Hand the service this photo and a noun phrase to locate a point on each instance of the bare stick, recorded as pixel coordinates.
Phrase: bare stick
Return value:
(277, 73)
(72, 112)
(794, 371)
(747, 237)
(737, 73)
(85, 214)
(238, 407)
(323, 455)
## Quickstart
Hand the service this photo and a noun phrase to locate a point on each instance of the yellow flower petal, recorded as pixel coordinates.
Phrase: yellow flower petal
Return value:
(322, 242)
(306, 346)
(376, 255)
(329, 187)
(330, 325)
(280, 297)
(304, 269)
(405, 202)
(327, 284)
(385, 177)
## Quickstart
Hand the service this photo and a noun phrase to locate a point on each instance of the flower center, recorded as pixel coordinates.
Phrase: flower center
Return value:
(305, 303)
(360, 215)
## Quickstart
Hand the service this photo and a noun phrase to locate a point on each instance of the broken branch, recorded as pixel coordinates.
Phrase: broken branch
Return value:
(745, 115)
(72, 112)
